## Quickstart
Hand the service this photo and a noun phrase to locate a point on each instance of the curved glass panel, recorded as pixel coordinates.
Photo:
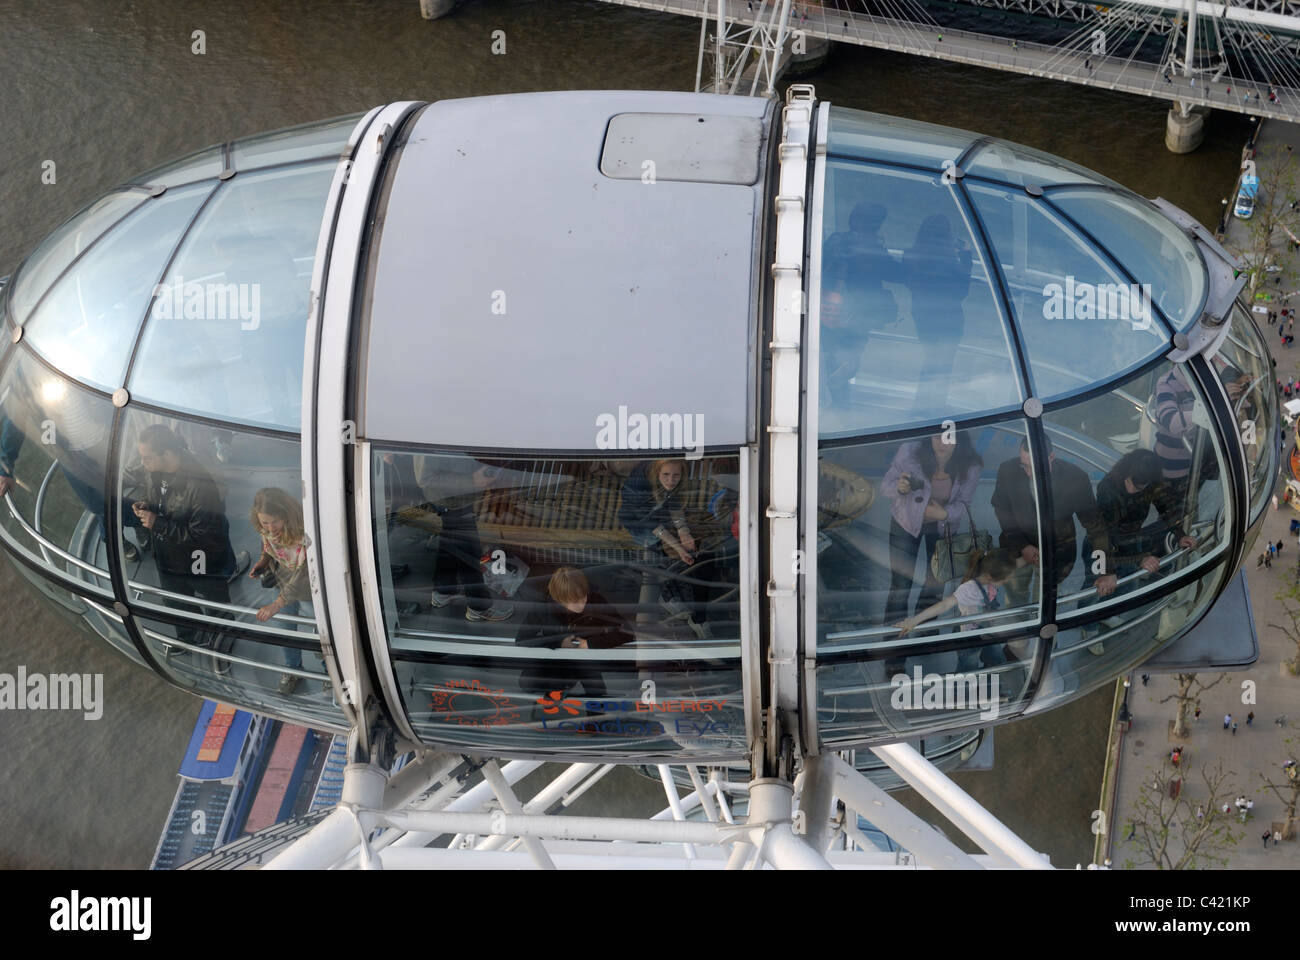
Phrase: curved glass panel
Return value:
(897, 527)
(906, 692)
(874, 136)
(1086, 657)
(64, 245)
(215, 535)
(238, 669)
(53, 455)
(88, 323)
(224, 338)
(1148, 245)
(305, 142)
(1021, 165)
(1244, 365)
(910, 330)
(1162, 505)
(201, 165)
(1079, 321)
(532, 604)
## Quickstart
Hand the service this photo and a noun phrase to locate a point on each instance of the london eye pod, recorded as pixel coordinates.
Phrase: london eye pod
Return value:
(633, 426)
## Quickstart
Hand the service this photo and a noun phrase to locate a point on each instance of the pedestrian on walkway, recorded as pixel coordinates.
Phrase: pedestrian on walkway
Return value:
(1226, 808)
(1200, 812)
(1279, 548)
(1250, 718)
(1234, 728)
(1266, 836)
(1198, 712)
(1259, 561)
(1268, 557)
(1277, 837)
(1145, 678)
(1227, 721)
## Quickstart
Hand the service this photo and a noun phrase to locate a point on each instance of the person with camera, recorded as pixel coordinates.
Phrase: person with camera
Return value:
(931, 484)
(277, 519)
(189, 534)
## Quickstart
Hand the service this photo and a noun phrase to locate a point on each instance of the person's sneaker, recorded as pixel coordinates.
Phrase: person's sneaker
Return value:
(288, 683)
(242, 562)
(493, 613)
(442, 599)
(130, 552)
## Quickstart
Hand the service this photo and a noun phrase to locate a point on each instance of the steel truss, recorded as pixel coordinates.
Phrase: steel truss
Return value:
(742, 56)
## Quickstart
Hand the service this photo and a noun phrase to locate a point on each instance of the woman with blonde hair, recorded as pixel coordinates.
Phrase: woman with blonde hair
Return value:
(277, 518)
(654, 513)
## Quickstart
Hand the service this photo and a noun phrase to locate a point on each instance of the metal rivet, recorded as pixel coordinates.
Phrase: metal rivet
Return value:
(1181, 341)
(158, 191)
(1048, 631)
(120, 608)
(121, 397)
(1033, 189)
(17, 334)
(226, 174)
(1033, 407)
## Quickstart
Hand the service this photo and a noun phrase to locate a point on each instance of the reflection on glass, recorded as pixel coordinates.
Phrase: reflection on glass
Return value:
(530, 602)
(1151, 248)
(1160, 485)
(1080, 321)
(53, 450)
(64, 245)
(201, 165)
(941, 688)
(1126, 639)
(922, 559)
(88, 323)
(910, 330)
(211, 504)
(225, 335)
(1021, 165)
(874, 136)
(306, 142)
(1243, 366)
(246, 669)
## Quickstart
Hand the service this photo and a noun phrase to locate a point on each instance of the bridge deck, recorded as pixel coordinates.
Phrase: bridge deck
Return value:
(999, 53)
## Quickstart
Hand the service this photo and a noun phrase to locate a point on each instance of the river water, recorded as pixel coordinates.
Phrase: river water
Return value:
(108, 90)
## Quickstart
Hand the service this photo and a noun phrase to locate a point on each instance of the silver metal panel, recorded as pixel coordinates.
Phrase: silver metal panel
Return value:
(518, 294)
(1225, 639)
(691, 147)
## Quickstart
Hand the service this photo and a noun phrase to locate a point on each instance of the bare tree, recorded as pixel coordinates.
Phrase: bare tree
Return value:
(1288, 793)
(1186, 697)
(1275, 221)
(1290, 630)
(1166, 830)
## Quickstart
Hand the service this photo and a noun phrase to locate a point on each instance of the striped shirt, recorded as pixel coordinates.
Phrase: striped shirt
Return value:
(1174, 403)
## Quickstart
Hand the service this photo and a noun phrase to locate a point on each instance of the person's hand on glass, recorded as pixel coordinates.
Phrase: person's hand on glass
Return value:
(904, 627)
(683, 553)
(1107, 584)
(1030, 554)
(1150, 564)
(267, 612)
(1187, 542)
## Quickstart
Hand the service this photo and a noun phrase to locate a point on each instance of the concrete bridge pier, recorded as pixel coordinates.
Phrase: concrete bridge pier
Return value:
(433, 9)
(807, 55)
(1185, 127)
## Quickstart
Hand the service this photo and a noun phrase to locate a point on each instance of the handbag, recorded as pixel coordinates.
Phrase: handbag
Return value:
(952, 557)
(269, 580)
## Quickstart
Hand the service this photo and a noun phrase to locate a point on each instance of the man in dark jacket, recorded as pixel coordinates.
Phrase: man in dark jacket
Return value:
(189, 533)
(1016, 506)
(575, 617)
